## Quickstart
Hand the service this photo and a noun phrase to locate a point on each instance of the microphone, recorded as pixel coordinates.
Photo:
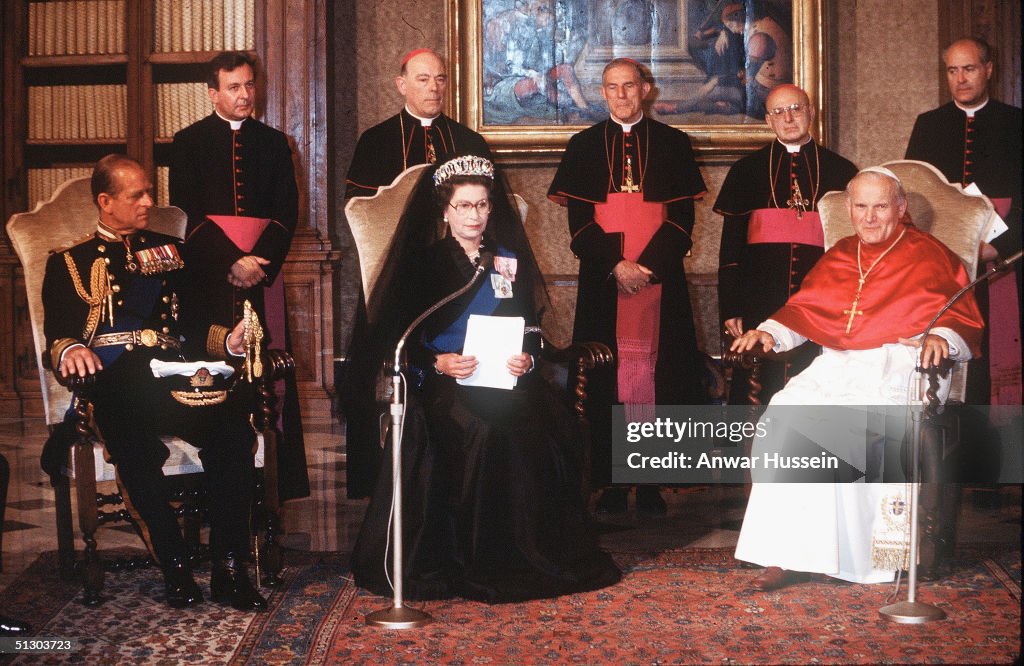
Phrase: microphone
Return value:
(484, 263)
(988, 275)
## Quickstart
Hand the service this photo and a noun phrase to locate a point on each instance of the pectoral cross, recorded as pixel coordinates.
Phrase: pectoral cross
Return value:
(431, 153)
(628, 185)
(798, 203)
(853, 311)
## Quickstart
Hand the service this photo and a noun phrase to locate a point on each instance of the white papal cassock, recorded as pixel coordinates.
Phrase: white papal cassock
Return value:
(823, 527)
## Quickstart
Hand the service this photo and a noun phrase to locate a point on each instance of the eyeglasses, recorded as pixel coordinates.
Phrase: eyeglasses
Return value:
(465, 208)
(795, 109)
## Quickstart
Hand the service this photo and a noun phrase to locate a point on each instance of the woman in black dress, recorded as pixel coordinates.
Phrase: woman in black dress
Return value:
(491, 490)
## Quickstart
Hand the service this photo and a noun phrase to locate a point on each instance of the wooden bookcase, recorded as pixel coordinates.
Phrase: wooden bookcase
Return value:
(146, 60)
(98, 76)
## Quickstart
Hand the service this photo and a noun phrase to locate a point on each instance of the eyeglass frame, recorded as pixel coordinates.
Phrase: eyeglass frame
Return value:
(792, 108)
(466, 206)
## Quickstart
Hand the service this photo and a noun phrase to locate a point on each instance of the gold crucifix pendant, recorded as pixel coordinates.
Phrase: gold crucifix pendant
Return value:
(629, 185)
(853, 311)
(798, 203)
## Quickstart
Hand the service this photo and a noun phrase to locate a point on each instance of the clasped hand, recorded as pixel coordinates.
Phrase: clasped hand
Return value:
(463, 367)
(631, 277)
(247, 271)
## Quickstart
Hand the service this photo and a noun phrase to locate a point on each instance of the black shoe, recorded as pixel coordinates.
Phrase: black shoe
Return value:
(10, 627)
(649, 501)
(612, 500)
(230, 584)
(179, 586)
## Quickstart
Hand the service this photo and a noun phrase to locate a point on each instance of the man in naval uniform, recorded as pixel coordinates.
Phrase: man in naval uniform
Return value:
(976, 139)
(419, 134)
(234, 177)
(112, 308)
(629, 183)
(771, 234)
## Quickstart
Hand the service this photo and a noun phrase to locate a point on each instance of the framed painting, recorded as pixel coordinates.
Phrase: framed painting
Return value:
(526, 74)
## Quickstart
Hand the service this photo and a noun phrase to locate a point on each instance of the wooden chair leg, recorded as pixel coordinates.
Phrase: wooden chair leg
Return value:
(65, 527)
(85, 492)
(269, 556)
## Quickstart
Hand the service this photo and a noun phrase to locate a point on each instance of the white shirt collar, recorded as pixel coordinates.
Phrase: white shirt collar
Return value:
(794, 147)
(235, 124)
(425, 122)
(626, 127)
(970, 111)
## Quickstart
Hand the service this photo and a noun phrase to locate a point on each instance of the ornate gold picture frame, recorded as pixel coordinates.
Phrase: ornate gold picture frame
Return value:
(526, 73)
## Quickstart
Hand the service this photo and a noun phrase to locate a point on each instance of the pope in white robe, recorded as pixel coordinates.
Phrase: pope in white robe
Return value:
(867, 302)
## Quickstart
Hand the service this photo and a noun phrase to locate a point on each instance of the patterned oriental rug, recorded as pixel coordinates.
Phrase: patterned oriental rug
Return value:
(682, 606)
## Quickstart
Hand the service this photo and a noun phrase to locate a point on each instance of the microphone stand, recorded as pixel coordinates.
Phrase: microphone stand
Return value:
(913, 611)
(398, 616)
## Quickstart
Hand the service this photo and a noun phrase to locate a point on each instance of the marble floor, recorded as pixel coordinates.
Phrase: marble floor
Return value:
(698, 516)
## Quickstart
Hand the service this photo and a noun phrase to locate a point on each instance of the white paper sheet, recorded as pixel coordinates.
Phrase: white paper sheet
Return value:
(493, 340)
(998, 224)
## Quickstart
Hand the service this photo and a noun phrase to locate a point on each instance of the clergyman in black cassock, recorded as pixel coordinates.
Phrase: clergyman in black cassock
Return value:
(977, 139)
(234, 178)
(771, 232)
(629, 189)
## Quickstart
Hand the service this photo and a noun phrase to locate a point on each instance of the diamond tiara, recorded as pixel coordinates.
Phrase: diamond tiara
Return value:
(467, 165)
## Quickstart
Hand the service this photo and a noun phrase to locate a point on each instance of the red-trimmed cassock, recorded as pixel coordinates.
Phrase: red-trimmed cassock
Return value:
(984, 146)
(772, 236)
(403, 140)
(630, 196)
(236, 182)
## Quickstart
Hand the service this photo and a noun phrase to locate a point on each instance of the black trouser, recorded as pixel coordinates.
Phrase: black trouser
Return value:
(132, 409)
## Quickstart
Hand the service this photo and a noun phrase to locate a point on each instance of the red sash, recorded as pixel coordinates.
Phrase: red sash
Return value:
(638, 315)
(244, 232)
(781, 225)
(1004, 331)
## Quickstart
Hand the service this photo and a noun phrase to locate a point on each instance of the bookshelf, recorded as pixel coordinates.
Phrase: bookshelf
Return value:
(97, 76)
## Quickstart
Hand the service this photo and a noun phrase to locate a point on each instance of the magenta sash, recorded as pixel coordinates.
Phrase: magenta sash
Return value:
(638, 315)
(1004, 331)
(244, 232)
(781, 225)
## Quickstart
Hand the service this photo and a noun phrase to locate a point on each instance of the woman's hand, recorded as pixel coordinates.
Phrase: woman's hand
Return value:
(455, 365)
(520, 364)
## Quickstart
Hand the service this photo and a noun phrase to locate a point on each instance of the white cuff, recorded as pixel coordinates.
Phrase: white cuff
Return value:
(958, 349)
(785, 338)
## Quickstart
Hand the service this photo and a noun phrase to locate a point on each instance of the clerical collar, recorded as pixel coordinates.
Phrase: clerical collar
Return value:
(971, 110)
(794, 147)
(425, 122)
(626, 127)
(235, 124)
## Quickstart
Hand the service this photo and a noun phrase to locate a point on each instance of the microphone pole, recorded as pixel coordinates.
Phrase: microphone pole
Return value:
(398, 616)
(913, 611)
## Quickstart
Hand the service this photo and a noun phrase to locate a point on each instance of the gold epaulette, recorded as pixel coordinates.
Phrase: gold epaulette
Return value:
(74, 243)
(216, 341)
